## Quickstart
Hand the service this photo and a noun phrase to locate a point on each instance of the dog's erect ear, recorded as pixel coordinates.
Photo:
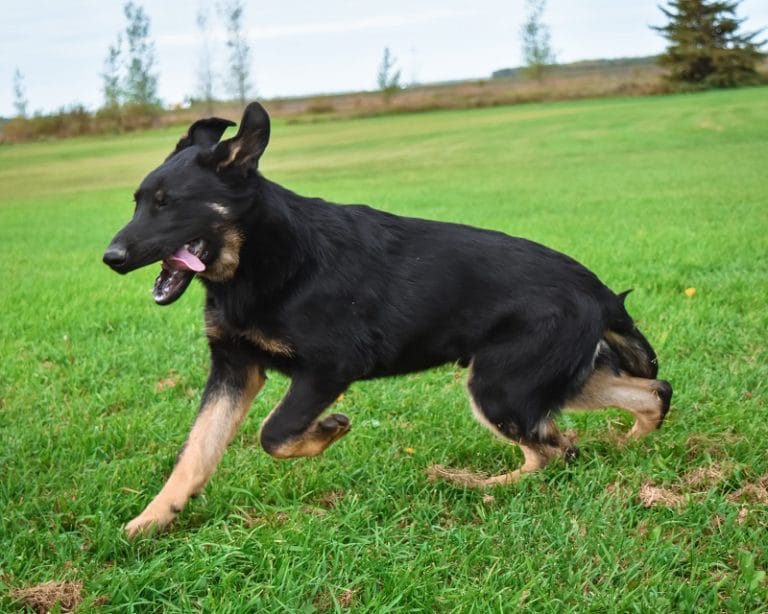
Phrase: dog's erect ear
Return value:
(244, 149)
(204, 133)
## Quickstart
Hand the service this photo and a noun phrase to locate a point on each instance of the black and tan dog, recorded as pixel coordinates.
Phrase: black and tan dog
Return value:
(331, 294)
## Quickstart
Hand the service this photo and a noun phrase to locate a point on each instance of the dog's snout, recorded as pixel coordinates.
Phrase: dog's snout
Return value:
(116, 256)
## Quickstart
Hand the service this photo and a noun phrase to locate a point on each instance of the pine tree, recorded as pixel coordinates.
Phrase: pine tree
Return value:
(706, 47)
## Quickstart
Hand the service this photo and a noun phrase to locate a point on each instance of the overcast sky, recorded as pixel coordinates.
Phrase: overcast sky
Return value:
(303, 47)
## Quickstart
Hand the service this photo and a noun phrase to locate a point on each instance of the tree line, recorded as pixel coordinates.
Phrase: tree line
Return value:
(706, 48)
(130, 79)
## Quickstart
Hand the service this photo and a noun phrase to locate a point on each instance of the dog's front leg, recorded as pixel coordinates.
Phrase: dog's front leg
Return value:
(232, 385)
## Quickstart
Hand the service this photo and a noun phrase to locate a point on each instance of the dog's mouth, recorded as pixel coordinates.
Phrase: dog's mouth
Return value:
(178, 270)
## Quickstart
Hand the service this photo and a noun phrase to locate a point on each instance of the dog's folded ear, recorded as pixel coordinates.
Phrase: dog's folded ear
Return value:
(242, 151)
(204, 133)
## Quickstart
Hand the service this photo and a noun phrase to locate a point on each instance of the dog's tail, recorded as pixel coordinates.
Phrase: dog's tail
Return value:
(635, 355)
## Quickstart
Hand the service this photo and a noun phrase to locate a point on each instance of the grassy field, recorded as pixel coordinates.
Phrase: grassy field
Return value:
(98, 386)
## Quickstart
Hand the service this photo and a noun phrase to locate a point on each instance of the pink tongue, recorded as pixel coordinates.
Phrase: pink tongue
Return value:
(186, 260)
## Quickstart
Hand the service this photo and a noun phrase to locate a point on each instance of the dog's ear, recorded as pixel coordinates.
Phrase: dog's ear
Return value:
(242, 151)
(204, 133)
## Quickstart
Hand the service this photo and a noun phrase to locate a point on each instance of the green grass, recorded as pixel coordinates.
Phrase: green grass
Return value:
(658, 194)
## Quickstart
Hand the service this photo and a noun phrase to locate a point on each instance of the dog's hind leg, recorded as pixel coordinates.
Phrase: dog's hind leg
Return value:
(502, 405)
(647, 399)
(294, 427)
(232, 385)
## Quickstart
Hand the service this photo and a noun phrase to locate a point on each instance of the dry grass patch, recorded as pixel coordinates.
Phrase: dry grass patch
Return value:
(752, 492)
(707, 477)
(344, 600)
(697, 481)
(42, 598)
(653, 496)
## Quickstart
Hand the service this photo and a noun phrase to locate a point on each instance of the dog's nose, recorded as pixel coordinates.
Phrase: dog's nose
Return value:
(115, 256)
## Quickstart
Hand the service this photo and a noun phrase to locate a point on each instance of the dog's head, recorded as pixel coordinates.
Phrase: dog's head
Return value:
(187, 209)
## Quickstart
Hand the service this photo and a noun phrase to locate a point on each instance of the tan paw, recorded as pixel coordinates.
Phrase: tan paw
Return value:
(151, 520)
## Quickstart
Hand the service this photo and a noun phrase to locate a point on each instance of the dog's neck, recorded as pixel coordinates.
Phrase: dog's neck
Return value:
(276, 251)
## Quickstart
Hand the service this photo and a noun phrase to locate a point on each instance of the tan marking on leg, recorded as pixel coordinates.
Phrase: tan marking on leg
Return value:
(536, 455)
(534, 461)
(635, 394)
(314, 441)
(305, 446)
(213, 429)
(477, 412)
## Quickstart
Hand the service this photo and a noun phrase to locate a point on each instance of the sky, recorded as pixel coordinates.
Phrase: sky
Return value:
(303, 47)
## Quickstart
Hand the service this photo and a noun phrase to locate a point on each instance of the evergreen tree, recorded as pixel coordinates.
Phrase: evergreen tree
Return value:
(705, 45)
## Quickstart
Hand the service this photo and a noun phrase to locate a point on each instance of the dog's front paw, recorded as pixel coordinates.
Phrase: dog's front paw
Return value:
(148, 522)
(335, 424)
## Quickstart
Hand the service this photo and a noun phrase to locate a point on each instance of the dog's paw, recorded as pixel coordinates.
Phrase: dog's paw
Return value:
(148, 522)
(336, 424)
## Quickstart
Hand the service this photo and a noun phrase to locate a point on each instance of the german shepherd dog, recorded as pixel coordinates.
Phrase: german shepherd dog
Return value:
(331, 294)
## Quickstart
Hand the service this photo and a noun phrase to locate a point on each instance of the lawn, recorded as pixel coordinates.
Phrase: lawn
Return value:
(98, 386)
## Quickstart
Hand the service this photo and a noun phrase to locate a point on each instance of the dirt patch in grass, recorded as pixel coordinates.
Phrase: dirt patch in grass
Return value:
(252, 519)
(166, 383)
(331, 499)
(752, 492)
(696, 482)
(325, 601)
(717, 448)
(653, 496)
(707, 477)
(463, 477)
(42, 598)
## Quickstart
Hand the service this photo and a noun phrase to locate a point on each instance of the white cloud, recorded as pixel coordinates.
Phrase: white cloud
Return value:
(278, 31)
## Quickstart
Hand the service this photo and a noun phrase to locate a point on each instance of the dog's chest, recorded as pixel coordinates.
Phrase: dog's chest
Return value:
(219, 327)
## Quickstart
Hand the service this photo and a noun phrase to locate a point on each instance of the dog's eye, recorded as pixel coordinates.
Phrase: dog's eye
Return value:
(161, 198)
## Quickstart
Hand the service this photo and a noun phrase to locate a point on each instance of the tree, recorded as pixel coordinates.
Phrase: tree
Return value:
(238, 83)
(19, 96)
(387, 78)
(205, 68)
(140, 81)
(705, 46)
(537, 49)
(113, 92)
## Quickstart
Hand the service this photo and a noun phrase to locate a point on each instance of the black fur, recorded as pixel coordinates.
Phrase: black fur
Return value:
(343, 293)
